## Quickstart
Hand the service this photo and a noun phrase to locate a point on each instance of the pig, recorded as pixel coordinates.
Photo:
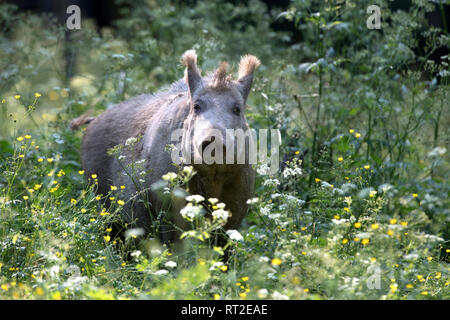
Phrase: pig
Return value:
(196, 104)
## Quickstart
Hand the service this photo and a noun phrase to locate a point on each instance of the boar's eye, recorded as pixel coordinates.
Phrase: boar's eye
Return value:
(236, 110)
(197, 107)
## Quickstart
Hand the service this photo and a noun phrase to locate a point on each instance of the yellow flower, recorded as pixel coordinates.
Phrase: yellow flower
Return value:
(317, 179)
(415, 195)
(25, 197)
(404, 223)
(107, 238)
(375, 226)
(39, 291)
(19, 139)
(297, 152)
(40, 159)
(37, 186)
(4, 287)
(357, 135)
(122, 187)
(81, 172)
(111, 198)
(419, 276)
(224, 268)
(346, 209)
(276, 262)
(337, 217)
(113, 188)
(17, 96)
(344, 241)
(393, 221)
(409, 286)
(21, 156)
(244, 278)
(424, 293)
(373, 259)
(393, 287)
(356, 239)
(37, 94)
(50, 160)
(83, 210)
(367, 166)
(438, 275)
(365, 241)
(3, 101)
(120, 202)
(94, 176)
(304, 253)
(390, 232)
(216, 296)
(73, 201)
(243, 295)
(357, 225)
(340, 159)
(429, 258)
(351, 130)
(306, 290)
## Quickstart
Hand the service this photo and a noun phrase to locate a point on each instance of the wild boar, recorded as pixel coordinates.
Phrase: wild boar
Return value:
(196, 104)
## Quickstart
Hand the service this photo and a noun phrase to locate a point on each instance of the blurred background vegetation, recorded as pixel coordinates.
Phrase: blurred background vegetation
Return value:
(344, 97)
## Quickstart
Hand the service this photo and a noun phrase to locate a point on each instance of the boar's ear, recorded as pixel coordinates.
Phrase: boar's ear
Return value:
(192, 74)
(247, 66)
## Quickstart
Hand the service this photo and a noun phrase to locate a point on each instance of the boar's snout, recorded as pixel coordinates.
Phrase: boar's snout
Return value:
(213, 150)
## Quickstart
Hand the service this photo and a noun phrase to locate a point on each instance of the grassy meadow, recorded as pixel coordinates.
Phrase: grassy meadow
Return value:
(358, 210)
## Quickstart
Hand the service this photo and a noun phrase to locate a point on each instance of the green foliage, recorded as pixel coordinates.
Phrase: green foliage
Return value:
(358, 210)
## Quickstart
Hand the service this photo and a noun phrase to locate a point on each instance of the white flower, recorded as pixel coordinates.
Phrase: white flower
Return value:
(220, 214)
(213, 201)
(263, 169)
(235, 235)
(136, 253)
(170, 264)
(326, 185)
(252, 200)
(340, 221)
(274, 216)
(278, 296)
(134, 232)
(190, 212)
(220, 205)
(272, 182)
(169, 176)
(438, 151)
(266, 210)
(130, 141)
(262, 293)
(292, 172)
(161, 272)
(215, 266)
(195, 198)
(188, 169)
